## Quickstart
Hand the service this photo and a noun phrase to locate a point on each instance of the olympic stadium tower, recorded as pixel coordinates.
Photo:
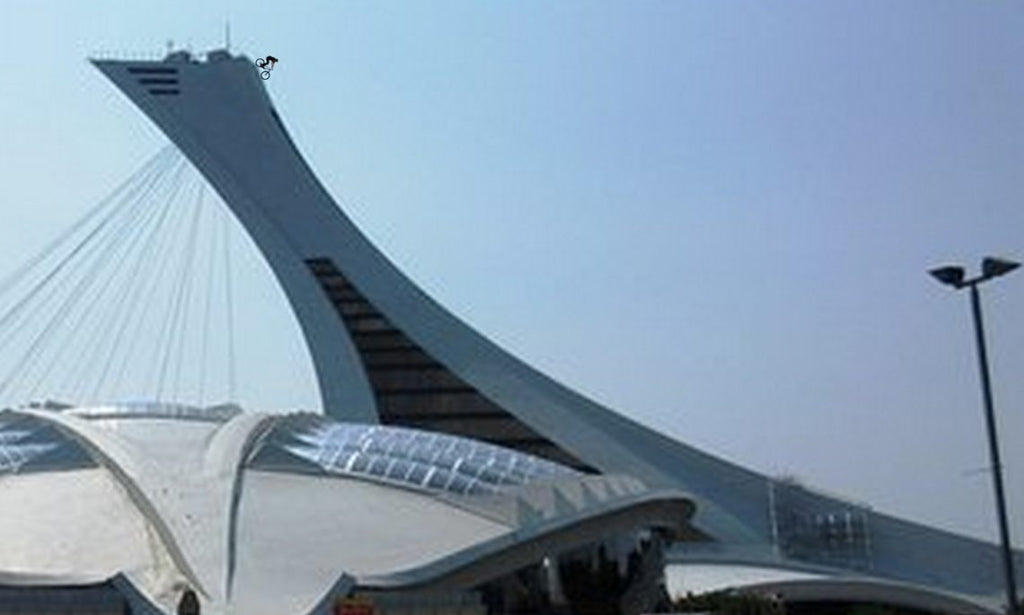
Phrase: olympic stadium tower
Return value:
(445, 476)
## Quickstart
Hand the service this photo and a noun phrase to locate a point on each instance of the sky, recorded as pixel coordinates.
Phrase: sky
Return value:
(714, 217)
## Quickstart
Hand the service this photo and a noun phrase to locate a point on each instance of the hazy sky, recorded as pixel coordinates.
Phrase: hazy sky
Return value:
(715, 217)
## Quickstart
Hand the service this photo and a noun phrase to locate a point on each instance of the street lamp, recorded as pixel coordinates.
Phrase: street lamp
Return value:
(954, 276)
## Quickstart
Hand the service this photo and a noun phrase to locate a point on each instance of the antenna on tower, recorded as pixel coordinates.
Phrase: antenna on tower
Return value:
(227, 34)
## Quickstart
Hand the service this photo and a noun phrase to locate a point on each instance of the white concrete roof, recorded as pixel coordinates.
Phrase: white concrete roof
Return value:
(258, 516)
(73, 527)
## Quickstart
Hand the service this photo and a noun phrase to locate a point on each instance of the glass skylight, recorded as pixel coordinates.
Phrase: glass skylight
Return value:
(423, 459)
(28, 444)
(158, 410)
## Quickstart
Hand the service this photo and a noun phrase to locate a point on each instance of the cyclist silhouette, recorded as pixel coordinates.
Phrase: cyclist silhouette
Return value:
(268, 64)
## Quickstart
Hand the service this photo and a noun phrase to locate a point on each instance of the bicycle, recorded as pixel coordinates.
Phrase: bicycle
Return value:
(261, 63)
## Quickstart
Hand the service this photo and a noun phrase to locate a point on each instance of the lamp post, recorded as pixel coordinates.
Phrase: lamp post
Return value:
(954, 276)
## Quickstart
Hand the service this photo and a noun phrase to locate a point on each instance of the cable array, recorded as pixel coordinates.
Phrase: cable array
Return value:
(134, 301)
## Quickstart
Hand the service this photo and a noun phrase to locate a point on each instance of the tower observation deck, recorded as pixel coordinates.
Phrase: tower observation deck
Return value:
(384, 351)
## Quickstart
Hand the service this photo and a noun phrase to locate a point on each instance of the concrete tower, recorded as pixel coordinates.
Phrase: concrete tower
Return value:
(386, 352)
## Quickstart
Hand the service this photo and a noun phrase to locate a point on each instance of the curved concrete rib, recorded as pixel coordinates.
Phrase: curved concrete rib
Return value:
(666, 509)
(875, 590)
(227, 454)
(203, 550)
(801, 583)
(116, 460)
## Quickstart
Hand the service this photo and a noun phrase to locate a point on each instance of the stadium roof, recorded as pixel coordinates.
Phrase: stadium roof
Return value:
(271, 513)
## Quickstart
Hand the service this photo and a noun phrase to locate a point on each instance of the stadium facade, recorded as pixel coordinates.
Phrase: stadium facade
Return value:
(444, 470)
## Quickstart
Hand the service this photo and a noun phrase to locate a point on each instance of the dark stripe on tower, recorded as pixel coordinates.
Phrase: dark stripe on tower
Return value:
(413, 389)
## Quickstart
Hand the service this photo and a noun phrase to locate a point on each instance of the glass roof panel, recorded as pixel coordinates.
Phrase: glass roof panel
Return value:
(411, 457)
(28, 444)
(158, 410)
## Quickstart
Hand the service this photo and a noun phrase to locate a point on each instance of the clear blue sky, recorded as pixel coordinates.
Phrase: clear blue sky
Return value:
(714, 217)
